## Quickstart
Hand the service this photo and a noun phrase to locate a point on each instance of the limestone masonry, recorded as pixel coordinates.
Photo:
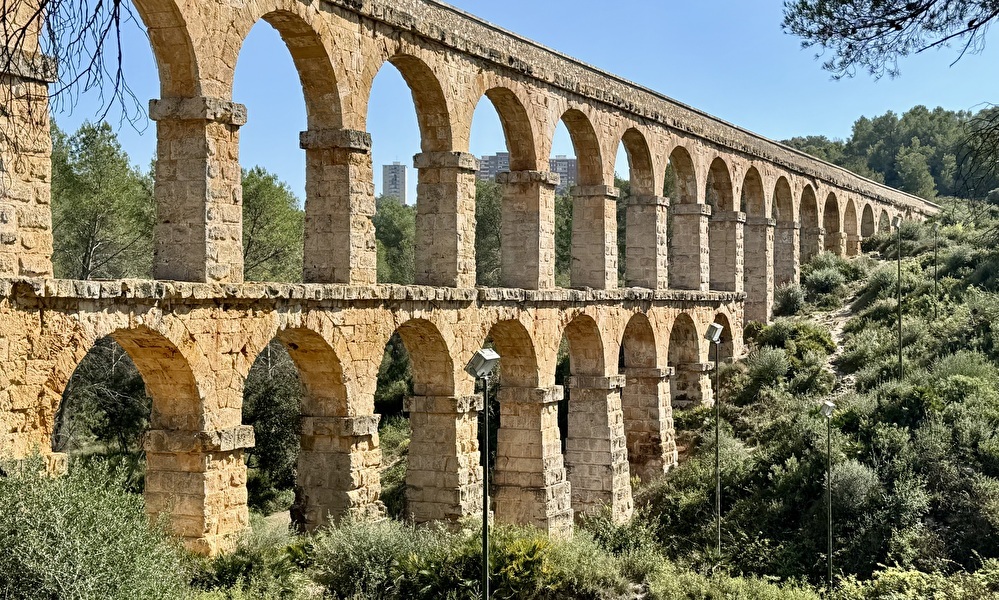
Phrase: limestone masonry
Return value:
(745, 213)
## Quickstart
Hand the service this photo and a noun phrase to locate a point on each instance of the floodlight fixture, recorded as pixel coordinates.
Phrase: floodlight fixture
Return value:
(897, 221)
(713, 334)
(483, 363)
(827, 409)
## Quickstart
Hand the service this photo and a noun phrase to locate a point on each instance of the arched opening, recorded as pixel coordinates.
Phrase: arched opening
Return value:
(274, 233)
(645, 402)
(134, 392)
(724, 229)
(686, 226)
(510, 204)
(687, 386)
(812, 235)
(593, 434)
(641, 218)
(852, 226)
(722, 353)
(409, 218)
(884, 222)
(785, 238)
(594, 208)
(835, 241)
(867, 226)
(758, 248)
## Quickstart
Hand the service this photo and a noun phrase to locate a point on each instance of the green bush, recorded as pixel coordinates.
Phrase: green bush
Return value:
(824, 282)
(789, 300)
(81, 536)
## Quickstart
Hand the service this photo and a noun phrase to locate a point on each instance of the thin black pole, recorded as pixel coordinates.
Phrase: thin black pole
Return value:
(936, 292)
(718, 450)
(485, 489)
(899, 291)
(829, 530)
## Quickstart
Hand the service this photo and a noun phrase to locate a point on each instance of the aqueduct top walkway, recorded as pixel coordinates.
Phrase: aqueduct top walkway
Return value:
(744, 213)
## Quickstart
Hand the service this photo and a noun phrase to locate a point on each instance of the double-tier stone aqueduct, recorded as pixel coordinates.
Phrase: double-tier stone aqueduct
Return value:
(745, 213)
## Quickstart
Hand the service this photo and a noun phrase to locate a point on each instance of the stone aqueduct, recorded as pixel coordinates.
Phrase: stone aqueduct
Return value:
(745, 213)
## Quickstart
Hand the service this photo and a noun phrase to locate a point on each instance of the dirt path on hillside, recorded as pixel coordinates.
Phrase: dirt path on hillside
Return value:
(835, 320)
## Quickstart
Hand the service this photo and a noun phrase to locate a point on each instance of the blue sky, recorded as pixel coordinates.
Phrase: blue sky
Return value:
(726, 57)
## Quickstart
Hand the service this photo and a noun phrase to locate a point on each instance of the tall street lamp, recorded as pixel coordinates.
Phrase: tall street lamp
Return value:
(897, 224)
(481, 367)
(936, 291)
(713, 335)
(827, 412)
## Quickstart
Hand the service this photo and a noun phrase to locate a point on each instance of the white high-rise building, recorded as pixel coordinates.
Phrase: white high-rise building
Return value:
(394, 181)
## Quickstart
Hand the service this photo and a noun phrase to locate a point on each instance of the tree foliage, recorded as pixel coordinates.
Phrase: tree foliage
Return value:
(273, 228)
(102, 207)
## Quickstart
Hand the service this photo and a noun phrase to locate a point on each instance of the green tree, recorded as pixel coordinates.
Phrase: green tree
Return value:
(914, 172)
(102, 207)
(563, 239)
(488, 233)
(395, 234)
(273, 228)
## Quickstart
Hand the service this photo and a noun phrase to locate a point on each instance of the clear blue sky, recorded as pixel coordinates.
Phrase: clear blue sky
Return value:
(726, 57)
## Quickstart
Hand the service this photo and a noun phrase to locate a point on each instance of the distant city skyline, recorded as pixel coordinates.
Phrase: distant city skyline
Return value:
(394, 182)
(736, 64)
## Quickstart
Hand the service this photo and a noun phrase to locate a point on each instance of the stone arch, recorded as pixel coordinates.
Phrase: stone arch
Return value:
(595, 445)
(811, 236)
(867, 224)
(312, 61)
(517, 126)
(719, 191)
(851, 225)
(432, 112)
(433, 367)
(173, 48)
(833, 225)
(726, 348)
(725, 229)
(585, 143)
(640, 166)
(884, 221)
(758, 249)
(786, 250)
(518, 360)
(320, 370)
(685, 177)
(687, 385)
(645, 403)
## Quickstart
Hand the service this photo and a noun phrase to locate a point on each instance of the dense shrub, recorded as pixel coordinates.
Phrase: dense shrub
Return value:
(789, 300)
(81, 536)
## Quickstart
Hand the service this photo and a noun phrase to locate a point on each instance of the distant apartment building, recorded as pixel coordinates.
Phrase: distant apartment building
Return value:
(492, 165)
(394, 181)
(566, 169)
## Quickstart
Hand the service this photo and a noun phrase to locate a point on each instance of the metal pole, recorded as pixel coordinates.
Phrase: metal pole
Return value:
(936, 292)
(899, 291)
(829, 498)
(485, 489)
(718, 450)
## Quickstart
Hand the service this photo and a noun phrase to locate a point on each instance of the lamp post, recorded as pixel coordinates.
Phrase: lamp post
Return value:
(897, 224)
(713, 335)
(936, 292)
(827, 412)
(481, 367)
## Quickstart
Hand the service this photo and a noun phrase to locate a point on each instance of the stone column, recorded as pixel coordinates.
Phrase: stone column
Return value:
(759, 265)
(596, 453)
(853, 244)
(529, 476)
(528, 229)
(836, 243)
(812, 242)
(339, 204)
(445, 219)
(787, 264)
(648, 421)
(646, 243)
(692, 385)
(726, 238)
(25, 164)
(199, 196)
(196, 480)
(337, 470)
(689, 267)
(594, 237)
(444, 478)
